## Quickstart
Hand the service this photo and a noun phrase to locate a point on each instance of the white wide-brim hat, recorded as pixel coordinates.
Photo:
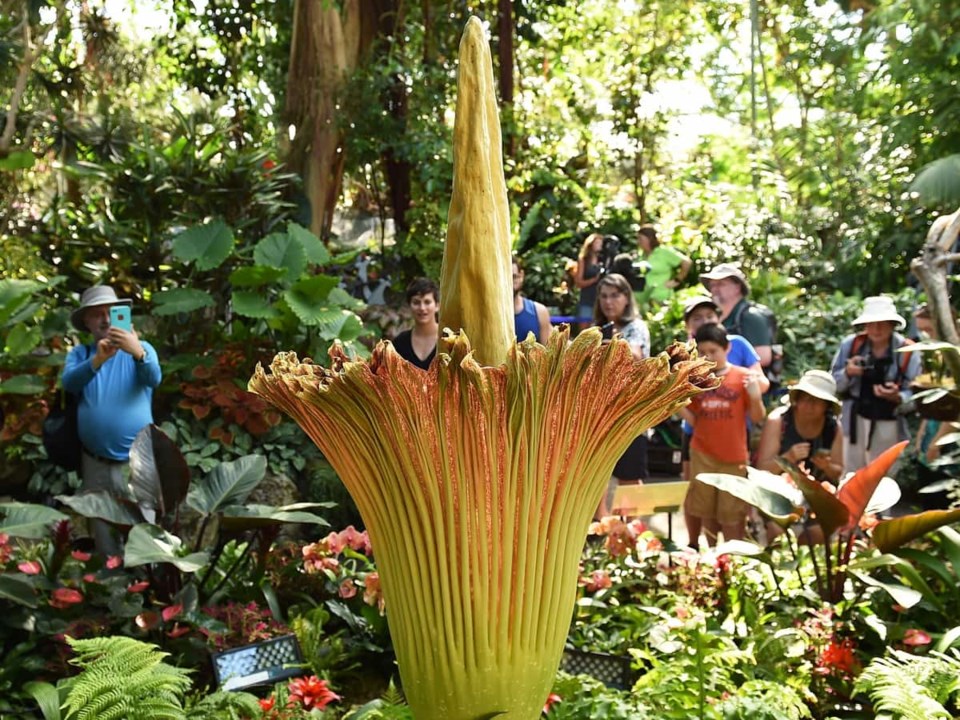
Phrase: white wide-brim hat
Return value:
(818, 384)
(726, 270)
(93, 297)
(880, 308)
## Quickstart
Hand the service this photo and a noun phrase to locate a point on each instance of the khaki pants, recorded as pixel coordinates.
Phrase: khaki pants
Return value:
(709, 503)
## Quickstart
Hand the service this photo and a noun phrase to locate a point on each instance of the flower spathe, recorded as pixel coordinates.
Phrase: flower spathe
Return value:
(477, 485)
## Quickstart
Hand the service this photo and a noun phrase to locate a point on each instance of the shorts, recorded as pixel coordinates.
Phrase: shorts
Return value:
(707, 502)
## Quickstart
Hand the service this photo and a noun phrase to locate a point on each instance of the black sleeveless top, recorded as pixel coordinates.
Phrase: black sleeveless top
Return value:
(789, 436)
(403, 344)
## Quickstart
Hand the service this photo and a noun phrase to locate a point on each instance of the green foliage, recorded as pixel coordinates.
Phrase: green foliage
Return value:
(120, 678)
(912, 687)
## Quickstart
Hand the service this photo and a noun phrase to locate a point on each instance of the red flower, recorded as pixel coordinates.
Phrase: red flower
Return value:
(552, 699)
(171, 612)
(138, 587)
(838, 657)
(178, 630)
(114, 561)
(312, 692)
(65, 597)
(80, 555)
(915, 638)
(266, 704)
(30, 568)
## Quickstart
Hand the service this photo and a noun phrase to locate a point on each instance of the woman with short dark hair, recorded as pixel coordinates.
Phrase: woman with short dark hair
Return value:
(419, 345)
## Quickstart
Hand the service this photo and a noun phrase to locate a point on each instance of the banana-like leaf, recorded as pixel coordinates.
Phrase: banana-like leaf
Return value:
(17, 590)
(753, 491)
(884, 497)
(831, 513)
(47, 697)
(227, 484)
(14, 294)
(938, 182)
(902, 595)
(150, 544)
(103, 506)
(22, 339)
(22, 385)
(159, 474)
(950, 539)
(857, 491)
(890, 534)
(249, 517)
(900, 567)
(26, 520)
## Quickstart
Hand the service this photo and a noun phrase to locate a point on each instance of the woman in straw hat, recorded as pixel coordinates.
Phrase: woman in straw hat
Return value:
(874, 380)
(806, 432)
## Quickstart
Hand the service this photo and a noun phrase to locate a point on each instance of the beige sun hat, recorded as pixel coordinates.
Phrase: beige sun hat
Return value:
(697, 302)
(94, 297)
(818, 384)
(726, 270)
(880, 308)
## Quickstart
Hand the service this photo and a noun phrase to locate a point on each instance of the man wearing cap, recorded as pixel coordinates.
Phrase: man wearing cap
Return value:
(874, 379)
(114, 378)
(729, 288)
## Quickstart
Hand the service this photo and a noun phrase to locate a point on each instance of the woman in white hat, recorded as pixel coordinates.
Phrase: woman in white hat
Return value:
(873, 379)
(806, 432)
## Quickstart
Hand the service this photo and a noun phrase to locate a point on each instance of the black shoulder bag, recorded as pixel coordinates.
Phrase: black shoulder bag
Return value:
(61, 438)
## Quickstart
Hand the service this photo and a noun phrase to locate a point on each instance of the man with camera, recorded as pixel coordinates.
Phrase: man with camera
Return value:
(113, 379)
(874, 380)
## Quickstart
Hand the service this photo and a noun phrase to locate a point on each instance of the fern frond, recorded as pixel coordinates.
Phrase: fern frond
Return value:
(909, 686)
(233, 705)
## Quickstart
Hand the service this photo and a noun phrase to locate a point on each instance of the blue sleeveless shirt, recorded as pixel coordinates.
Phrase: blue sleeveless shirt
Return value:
(526, 321)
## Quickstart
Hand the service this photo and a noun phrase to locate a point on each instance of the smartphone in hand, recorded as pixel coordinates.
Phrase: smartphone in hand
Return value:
(120, 317)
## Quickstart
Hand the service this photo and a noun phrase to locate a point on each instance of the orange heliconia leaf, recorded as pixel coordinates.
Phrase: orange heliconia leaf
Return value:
(856, 492)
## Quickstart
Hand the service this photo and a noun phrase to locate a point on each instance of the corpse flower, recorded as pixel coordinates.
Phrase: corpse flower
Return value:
(477, 479)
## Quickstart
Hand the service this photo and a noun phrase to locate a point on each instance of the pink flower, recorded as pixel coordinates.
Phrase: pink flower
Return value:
(90, 578)
(114, 561)
(358, 541)
(178, 630)
(30, 568)
(64, 597)
(599, 580)
(347, 589)
(312, 692)
(372, 593)
(138, 587)
(171, 612)
(916, 638)
(80, 555)
(552, 699)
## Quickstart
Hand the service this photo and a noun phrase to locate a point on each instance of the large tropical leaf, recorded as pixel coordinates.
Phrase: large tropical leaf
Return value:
(901, 594)
(831, 513)
(159, 474)
(252, 304)
(884, 497)
(901, 567)
(47, 698)
(313, 247)
(205, 245)
(18, 590)
(22, 339)
(279, 250)
(103, 506)
(227, 484)
(755, 491)
(181, 300)
(307, 299)
(938, 182)
(150, 544)
(22, 385)
(857, 491)
(255, 276)
(890, 534)
(28, 521)
(14, 294)
(249, 517)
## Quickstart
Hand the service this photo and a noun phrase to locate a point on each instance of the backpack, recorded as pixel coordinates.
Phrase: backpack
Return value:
(774, 370)
(860, 339)
(61, 438)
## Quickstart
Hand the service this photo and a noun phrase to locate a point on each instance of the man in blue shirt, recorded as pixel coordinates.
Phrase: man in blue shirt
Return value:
(114, 378)
(529, 316)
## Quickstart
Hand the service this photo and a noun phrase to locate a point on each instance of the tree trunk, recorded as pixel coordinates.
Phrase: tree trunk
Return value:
(506, 68)
(324, 50)
(931, 269)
